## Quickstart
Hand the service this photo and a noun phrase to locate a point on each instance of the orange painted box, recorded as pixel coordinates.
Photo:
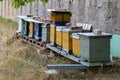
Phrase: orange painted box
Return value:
(31, 29)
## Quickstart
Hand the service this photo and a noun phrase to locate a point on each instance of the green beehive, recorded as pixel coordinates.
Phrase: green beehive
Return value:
(46, 32)
(25, 28)
(95, 48)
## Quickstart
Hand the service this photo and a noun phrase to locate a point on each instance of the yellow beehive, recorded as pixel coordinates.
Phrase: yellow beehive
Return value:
(31, 29)
(66, 17)
(60, 16)
(53, 33)
(56, 17)
(76, 45)
(67, 39)
(59, 35)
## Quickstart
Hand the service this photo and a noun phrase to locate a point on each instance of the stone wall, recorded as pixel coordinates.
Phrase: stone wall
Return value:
(7, 11)
(102, 14)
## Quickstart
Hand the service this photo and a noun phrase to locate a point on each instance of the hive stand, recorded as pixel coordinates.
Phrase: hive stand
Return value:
(82, 64)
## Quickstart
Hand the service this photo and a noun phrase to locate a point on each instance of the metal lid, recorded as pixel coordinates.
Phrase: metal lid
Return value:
(95, 35)
(70, 31)
(58, 10)
(22, 17)
(84, 26)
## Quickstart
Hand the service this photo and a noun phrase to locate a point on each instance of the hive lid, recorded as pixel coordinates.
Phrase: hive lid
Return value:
(60, 28)
(85, 27)
(32, 20)
(95, 35)
(29, 19)
(22, 17)
(75, 35)
(58, 10)
(70, 31)
(52, 25)
(44, 25)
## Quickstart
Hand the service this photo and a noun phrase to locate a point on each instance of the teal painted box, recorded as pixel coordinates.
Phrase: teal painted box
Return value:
(95, 48)
(25, 28)
(115, 46)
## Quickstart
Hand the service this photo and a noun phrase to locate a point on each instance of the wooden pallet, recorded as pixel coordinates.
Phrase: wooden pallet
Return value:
(30, 41)
(17, 35)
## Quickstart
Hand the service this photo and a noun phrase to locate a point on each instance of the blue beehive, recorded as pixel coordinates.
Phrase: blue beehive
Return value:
(38, 31)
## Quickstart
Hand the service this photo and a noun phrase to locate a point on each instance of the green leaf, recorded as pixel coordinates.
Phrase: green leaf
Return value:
(19, 3)
(44, 1)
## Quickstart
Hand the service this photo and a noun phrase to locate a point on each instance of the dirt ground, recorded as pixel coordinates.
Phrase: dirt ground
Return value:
(19, 61)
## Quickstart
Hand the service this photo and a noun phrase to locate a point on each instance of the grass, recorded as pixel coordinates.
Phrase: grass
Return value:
(14, 67)
(19, 61)
(9, 22)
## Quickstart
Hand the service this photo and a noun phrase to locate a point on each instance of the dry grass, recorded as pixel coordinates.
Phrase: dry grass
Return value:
(21, 62)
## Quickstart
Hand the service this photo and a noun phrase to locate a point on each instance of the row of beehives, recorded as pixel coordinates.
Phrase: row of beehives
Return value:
(33, 28)
(37, 28)
(59, 35)
(82, 43)
(66, 38)
(78, 41)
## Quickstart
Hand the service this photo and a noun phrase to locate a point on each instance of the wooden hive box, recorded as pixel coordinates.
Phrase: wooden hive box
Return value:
(57, 16)
(59, 35)
(25, 28)
(46, 32)
(67, 39)
(95, 48)
(52, 33)
(76, 44)
(38, 31)
(31, 29)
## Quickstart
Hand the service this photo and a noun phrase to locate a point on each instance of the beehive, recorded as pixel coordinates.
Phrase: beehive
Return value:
(67, 39)
(53, 33)
(20, 25)
(66, 17)
(46, 32)
(67, 42)
(31, 29)
(95, 48)
(58, 16)
(25, 28)
(59, 35)
(76, 44)
(37, 31)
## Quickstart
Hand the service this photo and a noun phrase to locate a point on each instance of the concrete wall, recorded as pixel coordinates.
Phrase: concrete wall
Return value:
(7, 11)
(102, 14)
